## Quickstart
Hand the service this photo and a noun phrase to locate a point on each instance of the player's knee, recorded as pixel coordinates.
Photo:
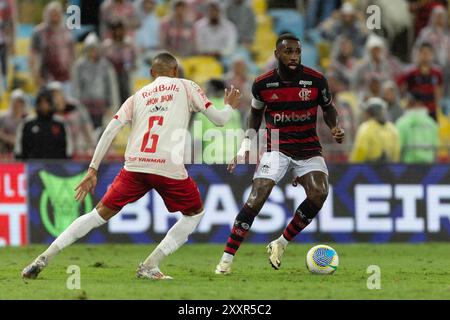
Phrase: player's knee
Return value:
(105, 212)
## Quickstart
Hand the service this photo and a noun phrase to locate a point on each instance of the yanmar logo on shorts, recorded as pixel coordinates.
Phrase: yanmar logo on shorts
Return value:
(287, 118)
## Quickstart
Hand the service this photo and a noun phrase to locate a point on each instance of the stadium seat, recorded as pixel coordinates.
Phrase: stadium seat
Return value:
(265, 38)
(201, 68)
(259, 7)
(288, 20)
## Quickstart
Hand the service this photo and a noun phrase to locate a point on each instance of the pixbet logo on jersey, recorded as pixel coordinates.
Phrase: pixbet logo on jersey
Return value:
(286, 118)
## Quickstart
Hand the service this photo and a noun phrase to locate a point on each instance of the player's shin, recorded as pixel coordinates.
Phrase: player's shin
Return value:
(174, 239)
(303, 216)
(78, 229)
(242, 224)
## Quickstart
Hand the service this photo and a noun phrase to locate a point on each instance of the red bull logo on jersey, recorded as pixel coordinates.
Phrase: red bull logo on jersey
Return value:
(160, 88)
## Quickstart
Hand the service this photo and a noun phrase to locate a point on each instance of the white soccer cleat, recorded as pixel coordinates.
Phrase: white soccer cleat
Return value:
(151, 273)
(276, 251)
(33, 269)
(224, 267)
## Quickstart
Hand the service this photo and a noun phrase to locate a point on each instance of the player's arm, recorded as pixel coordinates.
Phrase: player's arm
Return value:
(253, 124)
(330, 114)
(122, 117)
(221, 117)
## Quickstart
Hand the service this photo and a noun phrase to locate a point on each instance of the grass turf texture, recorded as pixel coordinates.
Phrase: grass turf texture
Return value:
(108, 272)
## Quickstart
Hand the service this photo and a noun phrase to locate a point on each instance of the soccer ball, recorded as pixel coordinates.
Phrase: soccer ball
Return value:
(322, 259)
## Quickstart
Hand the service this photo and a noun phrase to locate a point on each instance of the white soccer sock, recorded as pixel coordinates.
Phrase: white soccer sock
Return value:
(78, 229)
(226, 257)
(283, 241)
(174, 239)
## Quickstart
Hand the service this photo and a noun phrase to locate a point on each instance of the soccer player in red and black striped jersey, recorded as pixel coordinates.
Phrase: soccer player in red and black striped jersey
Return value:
(288, 97)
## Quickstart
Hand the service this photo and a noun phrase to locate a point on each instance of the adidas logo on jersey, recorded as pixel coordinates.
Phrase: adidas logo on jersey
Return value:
(274, 97)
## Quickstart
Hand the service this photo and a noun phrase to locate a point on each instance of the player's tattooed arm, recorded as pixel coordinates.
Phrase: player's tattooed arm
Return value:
(331, 118)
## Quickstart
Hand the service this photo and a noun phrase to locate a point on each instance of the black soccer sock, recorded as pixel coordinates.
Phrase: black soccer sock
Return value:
(242, 224)
(302, 218)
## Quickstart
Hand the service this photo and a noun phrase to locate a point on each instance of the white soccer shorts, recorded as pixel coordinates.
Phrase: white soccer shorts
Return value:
(274, 165)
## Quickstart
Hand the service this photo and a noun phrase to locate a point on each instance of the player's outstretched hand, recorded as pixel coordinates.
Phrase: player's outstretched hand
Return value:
(238, 160)
(338, 134)
(86, 185)
(232, 97)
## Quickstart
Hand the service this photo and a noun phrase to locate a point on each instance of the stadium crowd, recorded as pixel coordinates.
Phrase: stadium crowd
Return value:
(391, 85)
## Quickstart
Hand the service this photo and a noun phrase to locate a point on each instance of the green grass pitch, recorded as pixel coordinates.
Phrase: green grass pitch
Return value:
(408, 271)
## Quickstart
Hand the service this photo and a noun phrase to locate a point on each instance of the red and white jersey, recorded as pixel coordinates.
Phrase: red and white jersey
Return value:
(159, 114)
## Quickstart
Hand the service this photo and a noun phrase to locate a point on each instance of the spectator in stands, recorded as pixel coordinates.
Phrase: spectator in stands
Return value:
(343, 61)
(215, 34)
(120, 51)
(424, 80)
(318, 11)
(418, 132)
(218, 145)
(77, 120)
(43, 136)
(437, 33)
(376, 139)
(238, 76)
(113, 10)
(422, 10)
(391, 95)
(10, 120)
(375, 62)
(147, 36)
(95, 83)
(347, 22)
(7, 35)
(243, 17)
(52, 51)
(177, 31)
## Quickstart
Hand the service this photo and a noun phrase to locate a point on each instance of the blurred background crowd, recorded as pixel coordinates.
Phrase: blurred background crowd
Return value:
(60, 86)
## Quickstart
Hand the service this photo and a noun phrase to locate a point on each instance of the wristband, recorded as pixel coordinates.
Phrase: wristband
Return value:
(245, 146)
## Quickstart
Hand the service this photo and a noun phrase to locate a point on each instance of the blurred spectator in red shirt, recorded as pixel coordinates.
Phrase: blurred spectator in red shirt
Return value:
(52, 51)
(120, 51)
(424, 80)
(10, 120)
(177, 31)
(112, 10)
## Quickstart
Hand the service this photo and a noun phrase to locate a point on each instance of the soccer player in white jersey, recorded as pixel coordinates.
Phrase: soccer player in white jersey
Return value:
(155, 112)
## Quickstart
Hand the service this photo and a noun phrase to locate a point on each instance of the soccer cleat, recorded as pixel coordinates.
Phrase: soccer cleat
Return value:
(33, 269)
(224, 267)
(151, 273)
(276, 250)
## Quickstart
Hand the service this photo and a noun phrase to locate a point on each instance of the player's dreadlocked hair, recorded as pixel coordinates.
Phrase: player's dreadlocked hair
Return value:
(286, 36)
